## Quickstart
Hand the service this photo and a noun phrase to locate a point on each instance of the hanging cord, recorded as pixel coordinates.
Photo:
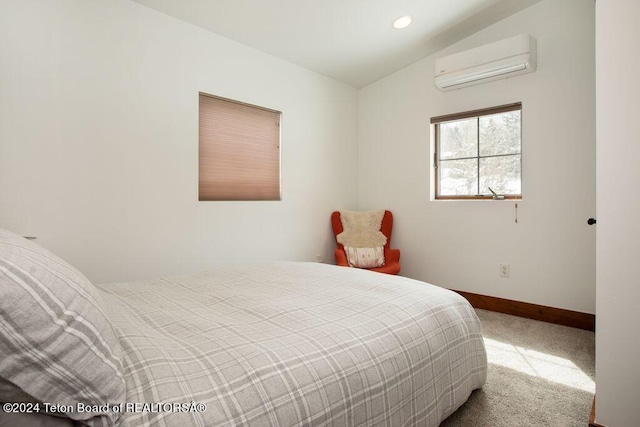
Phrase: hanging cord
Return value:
(516, 213)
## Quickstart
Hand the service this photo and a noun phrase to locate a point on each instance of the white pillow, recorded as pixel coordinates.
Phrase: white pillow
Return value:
(365, 257)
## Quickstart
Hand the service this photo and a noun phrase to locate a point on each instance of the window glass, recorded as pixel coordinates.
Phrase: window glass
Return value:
(457, 139)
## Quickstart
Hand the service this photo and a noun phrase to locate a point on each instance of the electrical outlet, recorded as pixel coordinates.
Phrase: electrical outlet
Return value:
(318, 258)
(505, 269)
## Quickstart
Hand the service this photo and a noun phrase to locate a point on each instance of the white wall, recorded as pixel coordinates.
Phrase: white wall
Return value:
(461, 244)
(618, 152)
(99, 140)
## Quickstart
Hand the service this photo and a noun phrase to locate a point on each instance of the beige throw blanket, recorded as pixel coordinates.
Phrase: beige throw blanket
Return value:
(361, 229)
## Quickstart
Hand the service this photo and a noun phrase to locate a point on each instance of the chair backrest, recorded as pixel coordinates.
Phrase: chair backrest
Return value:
(386, 227)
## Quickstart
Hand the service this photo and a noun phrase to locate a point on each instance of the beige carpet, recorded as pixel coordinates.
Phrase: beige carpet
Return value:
(540, 374)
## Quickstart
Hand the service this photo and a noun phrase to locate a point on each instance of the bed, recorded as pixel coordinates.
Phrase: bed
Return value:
(279, 344)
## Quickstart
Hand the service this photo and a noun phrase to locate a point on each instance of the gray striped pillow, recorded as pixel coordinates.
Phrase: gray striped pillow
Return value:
(56, 343)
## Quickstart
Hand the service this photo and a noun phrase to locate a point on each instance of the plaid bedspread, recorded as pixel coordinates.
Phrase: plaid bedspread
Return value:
(290, 344)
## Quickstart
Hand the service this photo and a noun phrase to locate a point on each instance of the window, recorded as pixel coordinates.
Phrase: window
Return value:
(478, 152)
(239, 151)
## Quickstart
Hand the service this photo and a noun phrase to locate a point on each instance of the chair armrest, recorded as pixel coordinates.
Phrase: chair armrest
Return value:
(341, 258)
(392, 255)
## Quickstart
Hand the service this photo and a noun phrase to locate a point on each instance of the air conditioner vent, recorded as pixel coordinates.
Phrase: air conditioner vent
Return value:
(498, 60)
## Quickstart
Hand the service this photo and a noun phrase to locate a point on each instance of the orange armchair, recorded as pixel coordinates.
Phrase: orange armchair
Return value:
(391, 256)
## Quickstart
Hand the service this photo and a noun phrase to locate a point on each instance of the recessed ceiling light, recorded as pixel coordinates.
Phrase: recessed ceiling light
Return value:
(402, 22)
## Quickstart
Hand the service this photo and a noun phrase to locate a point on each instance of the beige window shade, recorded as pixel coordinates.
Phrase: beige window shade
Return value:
(239, 151)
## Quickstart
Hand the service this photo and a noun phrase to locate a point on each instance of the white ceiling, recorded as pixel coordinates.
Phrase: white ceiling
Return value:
(349, 40)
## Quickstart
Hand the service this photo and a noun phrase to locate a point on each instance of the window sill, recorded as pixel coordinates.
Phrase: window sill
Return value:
(476, 198)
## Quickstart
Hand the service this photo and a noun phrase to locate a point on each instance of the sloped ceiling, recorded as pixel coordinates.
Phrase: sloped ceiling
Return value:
(349, 40)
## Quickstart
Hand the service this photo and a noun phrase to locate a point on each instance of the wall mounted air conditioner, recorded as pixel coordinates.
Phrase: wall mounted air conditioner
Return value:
(499, 60)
